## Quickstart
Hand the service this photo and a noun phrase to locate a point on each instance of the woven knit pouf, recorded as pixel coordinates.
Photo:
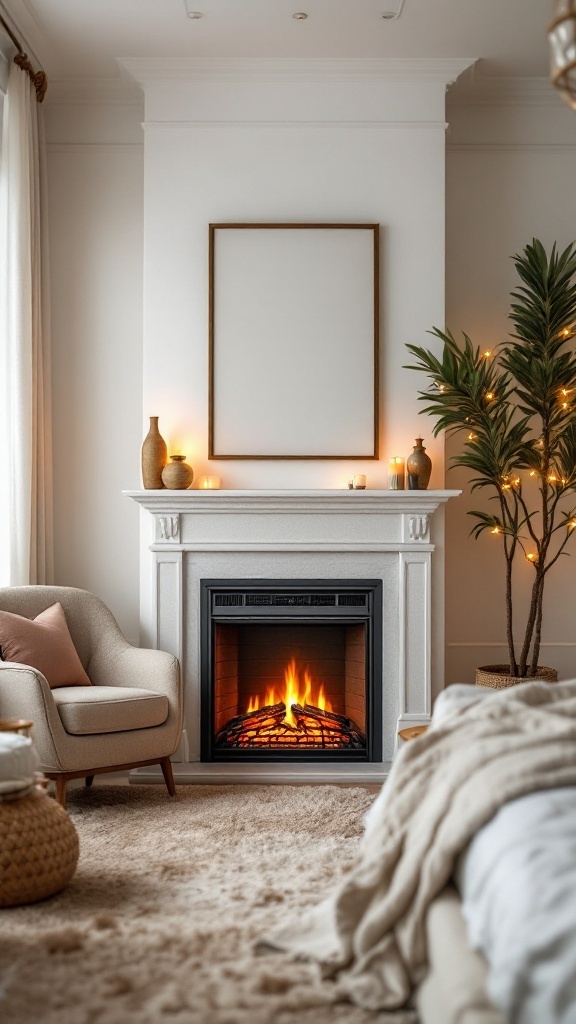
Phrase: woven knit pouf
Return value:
(38, 848)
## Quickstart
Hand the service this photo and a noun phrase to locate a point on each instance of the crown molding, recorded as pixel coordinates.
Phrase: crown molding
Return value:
(485, 90)
(29, 30)
(95, 147)
(170, 126)
(147, 71)
(567, 148)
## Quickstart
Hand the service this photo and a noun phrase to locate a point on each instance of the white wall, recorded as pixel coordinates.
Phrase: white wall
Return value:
(356, 146)
(510, 177)
(258, 142)
(95, 211)
(248, 151)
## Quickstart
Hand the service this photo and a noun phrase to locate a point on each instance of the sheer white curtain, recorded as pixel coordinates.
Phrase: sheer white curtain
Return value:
(26, 548)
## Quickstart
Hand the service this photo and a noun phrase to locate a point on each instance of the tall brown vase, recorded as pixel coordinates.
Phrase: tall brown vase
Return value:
(418, 467)
(154, 457)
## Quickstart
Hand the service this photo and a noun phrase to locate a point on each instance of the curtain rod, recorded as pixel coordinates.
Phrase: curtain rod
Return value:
(38, 78)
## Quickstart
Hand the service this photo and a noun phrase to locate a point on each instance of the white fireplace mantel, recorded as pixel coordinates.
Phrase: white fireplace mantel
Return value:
(289, 534)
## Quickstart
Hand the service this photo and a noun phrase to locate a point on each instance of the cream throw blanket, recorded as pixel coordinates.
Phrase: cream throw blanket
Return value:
(442, 788)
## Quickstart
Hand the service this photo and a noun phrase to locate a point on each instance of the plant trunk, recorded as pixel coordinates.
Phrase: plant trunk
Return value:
(509, 629)
(530, 625)
(538, 629)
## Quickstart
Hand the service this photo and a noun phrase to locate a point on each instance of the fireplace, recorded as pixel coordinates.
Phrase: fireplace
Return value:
(291, 670)
(324, 537)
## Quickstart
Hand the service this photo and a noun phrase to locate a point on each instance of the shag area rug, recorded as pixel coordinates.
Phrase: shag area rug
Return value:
(159, 924)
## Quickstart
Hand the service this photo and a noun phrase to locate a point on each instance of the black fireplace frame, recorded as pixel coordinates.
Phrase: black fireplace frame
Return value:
(287, 612)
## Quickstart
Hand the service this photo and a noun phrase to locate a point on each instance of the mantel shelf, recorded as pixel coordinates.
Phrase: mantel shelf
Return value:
(324, 501)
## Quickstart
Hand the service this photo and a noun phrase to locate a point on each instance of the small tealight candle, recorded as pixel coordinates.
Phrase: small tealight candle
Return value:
(209, 483)
(396, 474)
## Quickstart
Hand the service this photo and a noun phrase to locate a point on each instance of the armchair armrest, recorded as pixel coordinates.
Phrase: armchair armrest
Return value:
(125, 665)
(136, 666)
(24, 693)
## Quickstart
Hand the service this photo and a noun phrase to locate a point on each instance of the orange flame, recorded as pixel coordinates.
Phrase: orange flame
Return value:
(296, 691)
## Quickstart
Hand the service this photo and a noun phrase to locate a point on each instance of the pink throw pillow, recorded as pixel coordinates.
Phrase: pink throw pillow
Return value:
(45, 644)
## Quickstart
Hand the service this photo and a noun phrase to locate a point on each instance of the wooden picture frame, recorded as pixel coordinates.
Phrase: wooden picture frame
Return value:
(293, 336)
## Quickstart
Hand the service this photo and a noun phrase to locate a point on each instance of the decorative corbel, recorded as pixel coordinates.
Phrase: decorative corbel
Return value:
(418, 527)
(169, 527)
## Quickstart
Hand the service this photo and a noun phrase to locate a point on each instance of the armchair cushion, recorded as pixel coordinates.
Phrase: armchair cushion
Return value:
(45, 644)
(85, 711)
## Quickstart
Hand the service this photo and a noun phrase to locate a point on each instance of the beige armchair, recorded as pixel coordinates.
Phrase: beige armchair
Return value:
(131, 715)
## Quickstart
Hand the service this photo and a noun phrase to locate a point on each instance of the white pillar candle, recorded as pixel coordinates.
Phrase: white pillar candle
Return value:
(396, 474)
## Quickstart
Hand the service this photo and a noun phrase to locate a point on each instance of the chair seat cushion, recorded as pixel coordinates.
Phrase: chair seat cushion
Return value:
(85, 710)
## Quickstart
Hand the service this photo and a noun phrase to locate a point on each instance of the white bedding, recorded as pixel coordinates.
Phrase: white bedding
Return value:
(518, 885)
(493, 748)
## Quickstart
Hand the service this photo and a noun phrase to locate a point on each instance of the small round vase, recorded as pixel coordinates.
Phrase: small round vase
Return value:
(177, 475)
(419, 465)
(154, 457)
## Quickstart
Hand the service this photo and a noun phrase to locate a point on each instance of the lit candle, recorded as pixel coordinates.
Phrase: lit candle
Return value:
(209, 483)
(396, 474)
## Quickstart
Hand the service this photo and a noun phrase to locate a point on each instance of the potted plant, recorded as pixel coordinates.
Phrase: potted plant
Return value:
(515, 411)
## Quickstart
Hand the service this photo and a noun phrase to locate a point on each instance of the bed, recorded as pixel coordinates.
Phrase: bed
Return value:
(463, 901)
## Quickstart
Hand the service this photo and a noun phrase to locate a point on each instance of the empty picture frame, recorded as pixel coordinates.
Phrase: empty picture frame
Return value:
(293, 329)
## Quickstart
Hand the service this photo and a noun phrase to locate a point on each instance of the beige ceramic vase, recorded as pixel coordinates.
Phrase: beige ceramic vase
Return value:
(154, 457)
(177, 475)
(419, 466)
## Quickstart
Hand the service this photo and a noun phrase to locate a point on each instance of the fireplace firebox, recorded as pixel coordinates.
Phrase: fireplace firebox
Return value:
(291, 670)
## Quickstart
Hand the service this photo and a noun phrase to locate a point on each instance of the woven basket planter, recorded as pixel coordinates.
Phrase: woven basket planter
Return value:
(497, 676)
(38, 848)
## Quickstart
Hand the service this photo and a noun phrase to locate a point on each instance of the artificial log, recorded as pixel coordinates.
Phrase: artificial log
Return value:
(335, 730)
(257, 718)
(327, 717)
(246, 727)
(266, 728)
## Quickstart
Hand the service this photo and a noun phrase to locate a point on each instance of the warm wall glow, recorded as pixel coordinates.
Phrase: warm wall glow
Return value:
(298, 689)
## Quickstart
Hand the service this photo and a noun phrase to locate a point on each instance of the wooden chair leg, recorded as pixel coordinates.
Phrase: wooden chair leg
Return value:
(88, 780)
(61, 782)
(166, 766)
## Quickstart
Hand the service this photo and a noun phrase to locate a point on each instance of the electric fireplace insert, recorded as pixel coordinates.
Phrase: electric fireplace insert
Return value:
(291, 670)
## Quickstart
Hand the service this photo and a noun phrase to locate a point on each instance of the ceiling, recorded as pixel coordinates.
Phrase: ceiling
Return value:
(83, 38)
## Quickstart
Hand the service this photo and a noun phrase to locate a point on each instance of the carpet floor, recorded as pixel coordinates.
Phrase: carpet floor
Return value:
(159, 922)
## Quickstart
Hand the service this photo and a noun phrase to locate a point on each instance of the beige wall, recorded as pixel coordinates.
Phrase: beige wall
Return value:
(510, 178)
(95, 210)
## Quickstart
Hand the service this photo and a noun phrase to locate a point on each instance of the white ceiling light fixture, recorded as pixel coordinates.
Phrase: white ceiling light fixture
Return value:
(193, 15)
(300, 16)
(562, 36)
(393, 12)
